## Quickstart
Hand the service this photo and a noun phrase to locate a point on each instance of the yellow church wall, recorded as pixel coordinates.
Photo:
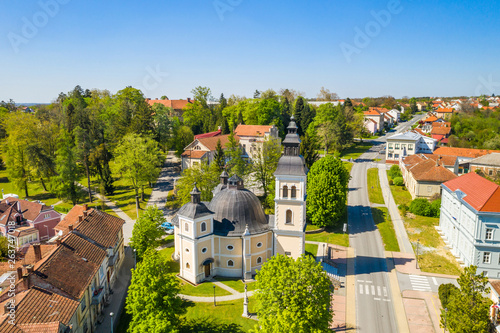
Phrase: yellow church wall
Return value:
(264, 239)
(291, 243)
(296, 217)
(208, 230)
(225, 242)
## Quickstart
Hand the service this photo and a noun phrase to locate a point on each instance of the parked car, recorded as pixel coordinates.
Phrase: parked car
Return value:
(168, 227)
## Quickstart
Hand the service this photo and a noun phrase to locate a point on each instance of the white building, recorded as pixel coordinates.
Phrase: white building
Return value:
(409, 143)
(470, 222)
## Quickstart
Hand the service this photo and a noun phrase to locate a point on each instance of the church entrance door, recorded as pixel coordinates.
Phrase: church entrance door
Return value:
(207, 270)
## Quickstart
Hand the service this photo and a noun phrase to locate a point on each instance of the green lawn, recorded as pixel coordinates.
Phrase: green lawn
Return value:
(236, 284)
(385, 227)
(329, 235)
(374, 190)
(312, 249)
(356, 150)
(203, 289)
(224, 313)
(400, 194)
(348, 166)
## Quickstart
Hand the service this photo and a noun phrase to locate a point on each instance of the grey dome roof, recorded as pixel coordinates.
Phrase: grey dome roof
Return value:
(234, 208)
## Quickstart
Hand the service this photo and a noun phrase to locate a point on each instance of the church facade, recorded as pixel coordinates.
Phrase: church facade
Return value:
(231, 235)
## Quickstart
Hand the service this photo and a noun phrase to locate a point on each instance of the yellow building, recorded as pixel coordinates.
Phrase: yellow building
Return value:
(231, 235)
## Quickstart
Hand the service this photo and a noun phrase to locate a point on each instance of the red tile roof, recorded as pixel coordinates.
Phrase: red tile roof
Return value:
(30, 209)
(208, 135)
(41, 328)
(463, 152)
(441, 124)
(481, 194)
(431, 119)
(197, 154)
(445, 110)
(211, 143)
(252, 130)
(176, 104)
(101, 227)
(27, 258)
(437, 137)
(70, 219)
(371, 113)
(428, 170)
(441, 130)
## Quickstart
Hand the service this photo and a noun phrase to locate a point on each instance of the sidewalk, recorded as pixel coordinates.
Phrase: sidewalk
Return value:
(209, 299)
(164, 183)
(119, 294)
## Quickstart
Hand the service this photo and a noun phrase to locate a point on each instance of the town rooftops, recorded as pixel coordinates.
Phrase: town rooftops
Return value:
(492, 159)
(463, 152)
(371, 113)
(431, 119)
(195, 154)
(428, 170)
(102, 228)
(252, 130)
(71, 218)
(407, 136)
(480, 193)
(445, 110)
(176, 104)
(208, 135)
(29, 209)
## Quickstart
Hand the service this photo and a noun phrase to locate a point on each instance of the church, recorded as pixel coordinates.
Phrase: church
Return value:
(231, 236)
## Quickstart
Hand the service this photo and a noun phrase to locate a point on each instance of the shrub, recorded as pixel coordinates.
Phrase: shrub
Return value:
(420, 207)
(403, 208)
(445, 292)
(436, 208)
(391, 182)
(398, 181)
(394, 171)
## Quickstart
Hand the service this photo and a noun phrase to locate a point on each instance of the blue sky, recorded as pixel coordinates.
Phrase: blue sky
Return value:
(425, 48)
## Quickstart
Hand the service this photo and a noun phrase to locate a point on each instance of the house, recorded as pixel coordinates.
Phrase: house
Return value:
(470, 222)
(408, 143)
(423, 174)
(27, 221)
(488, 165)
(377, 117)
(177, 105)
(444, 113)
(464, 155)
(69, 282)
(427, 124)
(74, 216)
(202, 150)
(441, 133)
(252, 137)
(371, 126)
(231, 236)
(494, 286)
(389, 120)
(209, 135)
(395, 114)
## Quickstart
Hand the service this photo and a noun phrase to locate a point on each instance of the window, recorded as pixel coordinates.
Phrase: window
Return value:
(83, 304)
(389, 155)
(230, 247)
(259, 244)
(285, 191)
(486, 257)
(294, 192)
(396, 155)
(391, 146)
(489, 234)
(187, 250)
(403, 146)
(490, 172)
(288, 217)
(429, 189)
(410, 147)
(204, 250)
(186, 227)
(230, 263)
(46, 216)
(397, 145)
(203, 226)
(188, 266)
(259, 260)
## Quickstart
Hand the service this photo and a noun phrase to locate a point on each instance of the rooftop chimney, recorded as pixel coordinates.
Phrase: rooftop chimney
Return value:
(20, 273)
(29, 268)
(70, 227)
(85, 207)
(189, 100)
(38, 252)
(84, 213)
(26, 281)
(58, 241)
(80, 218)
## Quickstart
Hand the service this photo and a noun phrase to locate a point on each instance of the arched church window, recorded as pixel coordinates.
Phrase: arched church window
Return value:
(296, 151)
(203, 226)
(230, 247)
(285, 191)
(259, 260)
(259, 244)
(230, 263)
(186, 227)
(187, 266)
(288, 216)
(294, 192)
(204, 250)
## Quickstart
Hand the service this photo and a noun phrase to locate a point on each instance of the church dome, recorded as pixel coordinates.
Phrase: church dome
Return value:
(235, 208)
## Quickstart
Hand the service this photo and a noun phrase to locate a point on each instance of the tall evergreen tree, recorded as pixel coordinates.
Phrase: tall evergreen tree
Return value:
(297, 113)
(309, 150)
(219, 158)
(240, 120)
(225, 126)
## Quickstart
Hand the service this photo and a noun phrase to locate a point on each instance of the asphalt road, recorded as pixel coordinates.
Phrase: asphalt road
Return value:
(422, 282)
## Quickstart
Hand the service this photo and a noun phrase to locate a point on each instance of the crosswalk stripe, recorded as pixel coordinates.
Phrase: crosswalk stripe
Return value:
(373, 290)
(361, 289)
(385, 292)
(367, 290)
(378, 291)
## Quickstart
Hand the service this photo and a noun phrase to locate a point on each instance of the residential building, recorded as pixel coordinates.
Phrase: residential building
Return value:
(177, 105)
(423, 174)
(470, 222)
(464, 155)
(202, 150)
(409, 143)
(231, 235)
(488, 165)
(444, 113)
(252, 137)
(27, 221)
(395, 114)
(69, 222)
(377, 117)
(371, 126)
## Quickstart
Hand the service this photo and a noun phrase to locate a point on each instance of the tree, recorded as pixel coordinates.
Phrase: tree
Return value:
(206, 177)
(147, 233)
(309, 150)
(265, 162)
(162, 127)
(326, 95)
(68, 173)
(202, 95)
(293, 296)
(234, 157)
(152, 299)
(4, 246)
(327, 182)
(240, 120)
(137, 159)
(468, 309)
(445, 291)
(219, 158)
(297, 113)
(256, 94)
(183, 137)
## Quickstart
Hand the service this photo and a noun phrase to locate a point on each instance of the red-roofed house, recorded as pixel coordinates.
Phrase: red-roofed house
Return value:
(177, 105)
(470, 222)
(444, 113)
(253, 136)
(376, 116)
(371, 125)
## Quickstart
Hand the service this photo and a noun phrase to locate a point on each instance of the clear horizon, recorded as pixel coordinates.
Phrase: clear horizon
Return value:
(367, 48)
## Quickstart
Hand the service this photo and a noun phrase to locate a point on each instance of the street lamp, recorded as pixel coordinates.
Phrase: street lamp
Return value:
(416, 261)
(214, 297)
(111, 314)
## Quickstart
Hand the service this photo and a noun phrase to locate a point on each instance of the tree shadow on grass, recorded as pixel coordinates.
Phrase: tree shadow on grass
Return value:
(209, 325)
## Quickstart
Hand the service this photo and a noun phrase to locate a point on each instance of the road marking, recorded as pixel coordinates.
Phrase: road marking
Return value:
(385, 291)
(361, 289)
(367, 290)
(361, 281)
(420, 283)
(434, 280)
(378, 291)
(373, 290)
(369, 281)
(376, 299)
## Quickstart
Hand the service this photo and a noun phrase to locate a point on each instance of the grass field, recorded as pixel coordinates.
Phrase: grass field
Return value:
(348, 166)
(374, 190)
(312, 249)
(236, 284)
(386, 228)
(356, 150)
(401, 196)
(329, 235)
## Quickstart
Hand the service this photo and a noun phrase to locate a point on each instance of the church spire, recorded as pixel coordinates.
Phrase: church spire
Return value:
(292, 140)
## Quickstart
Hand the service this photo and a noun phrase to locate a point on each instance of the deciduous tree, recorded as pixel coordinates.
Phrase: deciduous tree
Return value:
(265, 161)
(293, 296)
(147, 232)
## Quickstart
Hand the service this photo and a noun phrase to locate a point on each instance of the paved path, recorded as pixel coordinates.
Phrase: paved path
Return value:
(209, 299)
(165, 182)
